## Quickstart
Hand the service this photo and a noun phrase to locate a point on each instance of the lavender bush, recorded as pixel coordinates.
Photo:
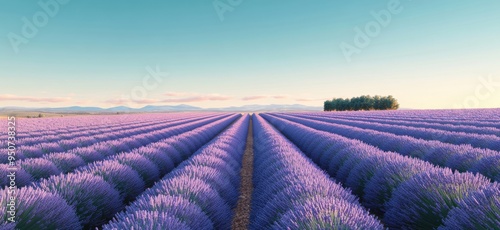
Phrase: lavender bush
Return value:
(147, 220)
(93, 199)
(290, 192)
(22, 178)
(123, 178)
(39, 168)
(66, 162)
(477, 211)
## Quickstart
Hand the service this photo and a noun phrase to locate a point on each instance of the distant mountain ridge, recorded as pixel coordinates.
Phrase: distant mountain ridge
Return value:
(165, 108)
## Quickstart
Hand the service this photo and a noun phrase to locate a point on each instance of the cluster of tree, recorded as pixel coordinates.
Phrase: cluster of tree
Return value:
(362, 103)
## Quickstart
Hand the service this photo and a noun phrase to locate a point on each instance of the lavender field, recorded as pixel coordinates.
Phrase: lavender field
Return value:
(407, 169)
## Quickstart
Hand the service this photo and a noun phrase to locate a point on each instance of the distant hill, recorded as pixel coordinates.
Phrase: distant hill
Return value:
(162, 108)
(168, 108)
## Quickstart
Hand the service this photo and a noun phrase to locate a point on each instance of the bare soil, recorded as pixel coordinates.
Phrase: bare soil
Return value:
(242, 211)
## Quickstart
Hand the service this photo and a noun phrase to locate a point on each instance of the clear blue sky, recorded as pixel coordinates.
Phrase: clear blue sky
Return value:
(432, 54)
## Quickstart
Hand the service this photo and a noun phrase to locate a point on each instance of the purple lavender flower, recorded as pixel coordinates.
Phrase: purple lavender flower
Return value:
(327, 213)
(366, 168)
(425, 200)
(216, 178)
(122, 177)
(179, 207)
(103, 148)
(162, 161)
(39, 168)
(69, 144)
(146, 220)
(323, 152)
(285, 179)
(387, 178)
(22, 178)
(219, 164)
(118, 146)
(480, 210)
(488, 166)
(143, 139)
(51, 147)
(86, 141)
(464, 160)
(88, 154)
(336, 167)
(131, 143)
(165, 149)
(180, 146)
(200, 193)
(142, 165)
(66, 162)
(30, 151)
(460, 156)
(295, 193)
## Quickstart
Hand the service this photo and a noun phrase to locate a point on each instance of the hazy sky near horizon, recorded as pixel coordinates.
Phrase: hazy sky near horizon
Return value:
(429, 54)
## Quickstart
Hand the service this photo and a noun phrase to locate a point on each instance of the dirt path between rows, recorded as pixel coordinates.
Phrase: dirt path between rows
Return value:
(242, 211)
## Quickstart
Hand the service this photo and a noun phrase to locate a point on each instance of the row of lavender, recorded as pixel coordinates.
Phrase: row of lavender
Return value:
(406, 193)
(94, 193)
(199, 194)
(34, 151)
(290, 192)
(50, 131)
(476, 117)
(420, 124)
(460, 157)
(44, 137)
(487, 141)
(44, 166)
